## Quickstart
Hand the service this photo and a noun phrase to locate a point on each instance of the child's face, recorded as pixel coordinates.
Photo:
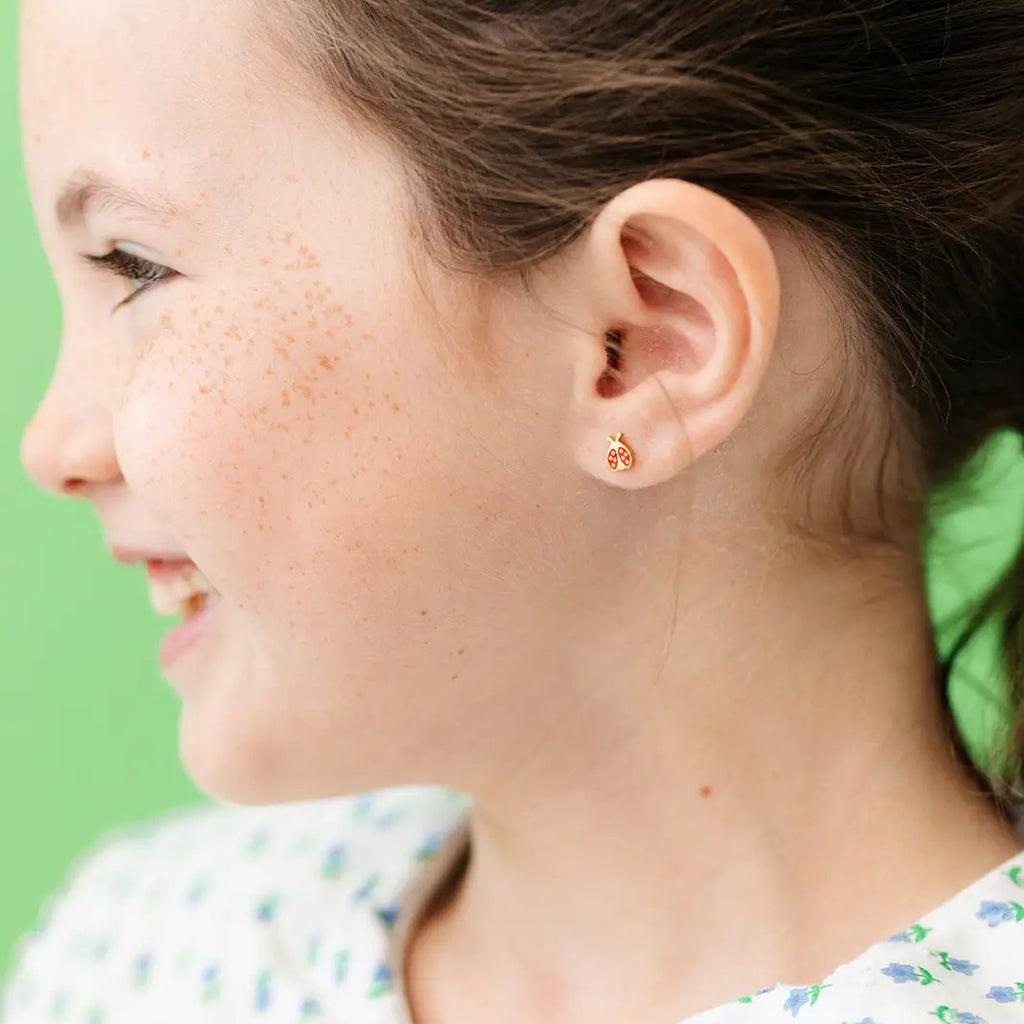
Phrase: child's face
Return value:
(282, 412)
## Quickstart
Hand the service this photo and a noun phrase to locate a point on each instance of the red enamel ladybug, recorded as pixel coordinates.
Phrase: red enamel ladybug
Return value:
(620, 458)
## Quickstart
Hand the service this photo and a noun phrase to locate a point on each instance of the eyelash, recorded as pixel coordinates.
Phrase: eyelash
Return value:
(132, 268)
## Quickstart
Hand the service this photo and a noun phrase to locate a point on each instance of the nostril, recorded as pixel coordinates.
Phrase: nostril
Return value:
(73, 486)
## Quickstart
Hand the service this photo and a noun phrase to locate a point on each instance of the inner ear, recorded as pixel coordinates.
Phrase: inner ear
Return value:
(674, 328)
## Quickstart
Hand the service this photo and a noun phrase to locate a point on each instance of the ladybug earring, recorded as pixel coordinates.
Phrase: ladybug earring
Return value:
(620, 457)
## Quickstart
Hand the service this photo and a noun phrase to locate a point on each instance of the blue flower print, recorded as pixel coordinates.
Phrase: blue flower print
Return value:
(796, 1001)
(950, 1016)
(430, 847)
(334, 862)
(957, 966)
(388, 915)
(310, 1008)
(143, 967)
(995, 914)
(382, 981)
(267, 908)
(801, 997)
(1007, 993)
(342, 960)
(915, 933)
(900, 973)
(1002, 994)
(263, 993)
(759, 992)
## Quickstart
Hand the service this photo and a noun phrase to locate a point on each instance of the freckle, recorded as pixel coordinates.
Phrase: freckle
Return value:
(397, 408)
(463, 651)
(455, 677)
(424, 612)
(348, 433)
(286, 399)
(327, 363)
(356, 411)
(218, 309)
(145, 154)
(349, 320)
(227, 249)
(706, 791)
(263, 502)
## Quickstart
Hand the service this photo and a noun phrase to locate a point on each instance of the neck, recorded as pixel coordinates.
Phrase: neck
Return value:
(695, 841)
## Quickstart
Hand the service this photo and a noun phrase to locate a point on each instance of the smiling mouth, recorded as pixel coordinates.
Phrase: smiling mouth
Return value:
(179, 588)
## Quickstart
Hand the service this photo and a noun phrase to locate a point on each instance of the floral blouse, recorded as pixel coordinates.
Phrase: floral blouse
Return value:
(298, 913)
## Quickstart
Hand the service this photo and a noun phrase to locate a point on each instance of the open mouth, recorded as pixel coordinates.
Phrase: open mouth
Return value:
(179, 588)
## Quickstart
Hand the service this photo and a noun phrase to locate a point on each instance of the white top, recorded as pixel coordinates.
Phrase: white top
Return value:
(298, 912)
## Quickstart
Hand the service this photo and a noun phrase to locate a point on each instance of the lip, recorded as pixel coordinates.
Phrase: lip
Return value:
(134, 556)
(162, 571)
(186, 636)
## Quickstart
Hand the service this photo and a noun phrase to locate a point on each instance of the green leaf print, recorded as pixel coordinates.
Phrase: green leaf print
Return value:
(950, 1015)
(1018, 911)
(815, 991)
(917, 933)
(1016, 875)
(926, 976)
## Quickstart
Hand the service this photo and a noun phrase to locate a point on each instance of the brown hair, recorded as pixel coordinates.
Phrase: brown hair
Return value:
(888, 134)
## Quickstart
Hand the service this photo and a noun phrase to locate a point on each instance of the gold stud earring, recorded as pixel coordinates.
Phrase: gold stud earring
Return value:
(620, 457)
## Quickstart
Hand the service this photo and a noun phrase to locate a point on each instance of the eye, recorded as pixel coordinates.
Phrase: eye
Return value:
(141, 274)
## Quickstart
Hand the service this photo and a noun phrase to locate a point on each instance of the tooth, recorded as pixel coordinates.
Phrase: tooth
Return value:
(198, 584)
(164, 601)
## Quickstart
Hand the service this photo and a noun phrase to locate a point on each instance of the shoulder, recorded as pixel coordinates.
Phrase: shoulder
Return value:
(201, 903)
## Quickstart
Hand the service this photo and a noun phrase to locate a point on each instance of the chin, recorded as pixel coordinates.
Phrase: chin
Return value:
(229, 768)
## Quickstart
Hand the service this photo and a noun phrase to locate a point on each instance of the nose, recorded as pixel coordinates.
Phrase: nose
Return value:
(67, 447)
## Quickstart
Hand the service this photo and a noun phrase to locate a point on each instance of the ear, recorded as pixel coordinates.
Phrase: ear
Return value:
(687, 286)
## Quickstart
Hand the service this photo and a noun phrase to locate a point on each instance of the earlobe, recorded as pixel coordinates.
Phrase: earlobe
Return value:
(687, 284)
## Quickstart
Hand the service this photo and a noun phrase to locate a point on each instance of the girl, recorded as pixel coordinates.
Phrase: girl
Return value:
(532, 407)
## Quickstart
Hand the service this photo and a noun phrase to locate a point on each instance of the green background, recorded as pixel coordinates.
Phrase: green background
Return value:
(88, 727)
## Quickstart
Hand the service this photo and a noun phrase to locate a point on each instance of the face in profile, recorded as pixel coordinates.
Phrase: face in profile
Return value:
(259, 373)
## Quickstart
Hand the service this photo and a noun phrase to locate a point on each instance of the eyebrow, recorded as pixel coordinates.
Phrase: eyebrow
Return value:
(86, 190)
